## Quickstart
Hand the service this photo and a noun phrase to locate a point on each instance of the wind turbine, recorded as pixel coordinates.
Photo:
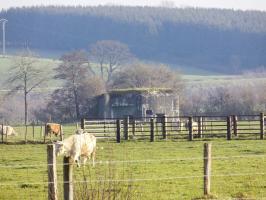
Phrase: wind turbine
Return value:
(4, 21)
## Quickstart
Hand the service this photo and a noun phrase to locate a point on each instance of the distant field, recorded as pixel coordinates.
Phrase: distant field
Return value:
(46, 64)
(213, 80)
(49, 64)
(6, 63)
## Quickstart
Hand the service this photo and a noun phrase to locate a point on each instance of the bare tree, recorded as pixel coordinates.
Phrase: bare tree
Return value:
(110, 55)
(61, 105)
(74, 71)
(144, 75)
(25, 76)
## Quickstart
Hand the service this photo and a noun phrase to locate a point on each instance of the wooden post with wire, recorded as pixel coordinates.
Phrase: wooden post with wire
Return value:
(152, 129)
(82, 123)
(133, 127)
(45, 132)
(200, 127)
(118, 129)
(52, 176)
(207, 168)
(164, 125)
(33, 131)
(262, 126)
(190, 128)
(126, 125)
(235, 125)
(229, 125)
(61, 133)
(2, 133)
(26, 133)
(68, 179)
(6, 136)
(41, 131)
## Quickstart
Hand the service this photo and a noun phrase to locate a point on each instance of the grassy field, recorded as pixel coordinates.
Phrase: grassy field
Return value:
(141, 170)
(48, 65)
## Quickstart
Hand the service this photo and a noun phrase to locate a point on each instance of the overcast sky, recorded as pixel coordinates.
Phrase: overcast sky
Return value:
(235, 4)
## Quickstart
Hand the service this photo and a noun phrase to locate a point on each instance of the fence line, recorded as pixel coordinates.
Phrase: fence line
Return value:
(164, 127)
(140, 161)
(176, 127)
(134, 180)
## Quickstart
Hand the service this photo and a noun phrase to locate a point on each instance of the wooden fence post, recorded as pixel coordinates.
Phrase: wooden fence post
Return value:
(82, 123)
(61, 133)
(26, 133)
(45, 132)
(133, 127)
(41, 131)
(200, 127)
(262, 126)
(164, 123)
(152, 129)
(190, 128)
(235, 125)
(33, 131)
(6, 135)
(68, 179)
(207, 168)
(2, 133)
(118, 125)
(52, 176)
(229, 125)
(126, 122)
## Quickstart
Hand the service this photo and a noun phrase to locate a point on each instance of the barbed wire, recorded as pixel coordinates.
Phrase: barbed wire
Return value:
(132, 180)
(138, 161)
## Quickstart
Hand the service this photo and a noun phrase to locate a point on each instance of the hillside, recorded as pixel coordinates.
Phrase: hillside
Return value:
(189, 80)
(222, 41)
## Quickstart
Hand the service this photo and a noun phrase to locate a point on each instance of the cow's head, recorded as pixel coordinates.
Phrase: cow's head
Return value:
(79, 131)
(59, 148)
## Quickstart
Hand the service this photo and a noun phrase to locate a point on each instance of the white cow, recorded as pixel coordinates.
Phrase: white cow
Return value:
(8, 130)
(82, 144)
(194, 126)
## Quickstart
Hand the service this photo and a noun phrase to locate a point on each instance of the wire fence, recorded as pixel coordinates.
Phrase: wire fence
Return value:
(124, 170)
(146, 128)
(178, 127)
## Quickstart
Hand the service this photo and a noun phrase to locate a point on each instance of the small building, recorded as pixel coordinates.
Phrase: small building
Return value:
(140, 102)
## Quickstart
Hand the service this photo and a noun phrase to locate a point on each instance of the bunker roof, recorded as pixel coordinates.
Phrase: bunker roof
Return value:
(141, 90)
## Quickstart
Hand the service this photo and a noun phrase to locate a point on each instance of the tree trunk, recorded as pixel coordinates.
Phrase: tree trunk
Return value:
(76, 103)
(110, 72)
(26, 108)
(101, 64)
(25, 99)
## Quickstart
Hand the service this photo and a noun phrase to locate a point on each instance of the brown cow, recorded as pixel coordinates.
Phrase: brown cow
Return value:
(52, 128)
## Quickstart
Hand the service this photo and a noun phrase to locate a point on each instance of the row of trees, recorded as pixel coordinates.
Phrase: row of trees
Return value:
(240, 97)
(81, 79)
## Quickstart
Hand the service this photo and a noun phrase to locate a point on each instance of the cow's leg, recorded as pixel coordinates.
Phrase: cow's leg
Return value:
(93, 157)
(84, 160)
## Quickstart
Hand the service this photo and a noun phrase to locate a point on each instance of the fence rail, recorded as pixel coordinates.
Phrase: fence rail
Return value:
(182, 127)
(151, 128)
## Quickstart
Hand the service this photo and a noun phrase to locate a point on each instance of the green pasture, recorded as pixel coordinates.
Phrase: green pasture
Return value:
(197, 78)
(138, 169)
(7, 62)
